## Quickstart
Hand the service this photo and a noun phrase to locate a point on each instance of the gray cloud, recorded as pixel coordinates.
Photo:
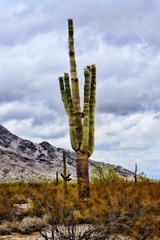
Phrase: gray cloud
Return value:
(37, 111)
(119, 41)
(120, 21)
(129, 80)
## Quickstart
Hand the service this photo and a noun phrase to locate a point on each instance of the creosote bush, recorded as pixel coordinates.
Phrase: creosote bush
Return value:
(102, 176)
(113, 209)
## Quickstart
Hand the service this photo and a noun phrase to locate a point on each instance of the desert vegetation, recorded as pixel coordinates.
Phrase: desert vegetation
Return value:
(114, 209)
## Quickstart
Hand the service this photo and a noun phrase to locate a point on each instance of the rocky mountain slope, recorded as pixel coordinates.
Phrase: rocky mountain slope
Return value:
(23, 159)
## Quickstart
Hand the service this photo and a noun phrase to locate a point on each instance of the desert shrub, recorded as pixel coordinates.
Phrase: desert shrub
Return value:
(6, 207)
(98, 173)
(102, 176)
(114, 208)
(142, 177)
(127, 208)
(111, 175)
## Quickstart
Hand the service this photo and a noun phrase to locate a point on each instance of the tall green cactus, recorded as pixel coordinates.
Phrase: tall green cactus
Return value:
(81, 124)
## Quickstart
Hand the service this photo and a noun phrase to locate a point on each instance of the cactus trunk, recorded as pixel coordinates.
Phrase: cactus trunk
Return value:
(82, 175)
(81, 124)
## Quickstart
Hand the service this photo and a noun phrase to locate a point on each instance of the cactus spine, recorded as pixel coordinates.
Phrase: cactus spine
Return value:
(66, 178)
(81, 124)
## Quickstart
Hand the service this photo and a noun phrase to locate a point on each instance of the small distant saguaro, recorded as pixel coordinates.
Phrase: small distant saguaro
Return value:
(81, 123)
(135, 172)
(65, 176)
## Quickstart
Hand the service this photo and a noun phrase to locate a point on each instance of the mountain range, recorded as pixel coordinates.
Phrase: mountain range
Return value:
(22, 159)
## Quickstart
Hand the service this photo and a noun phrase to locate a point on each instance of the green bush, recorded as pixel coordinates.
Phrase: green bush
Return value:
(99, 174)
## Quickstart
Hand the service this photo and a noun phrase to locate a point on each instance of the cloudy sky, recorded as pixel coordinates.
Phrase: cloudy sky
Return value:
(121, 37)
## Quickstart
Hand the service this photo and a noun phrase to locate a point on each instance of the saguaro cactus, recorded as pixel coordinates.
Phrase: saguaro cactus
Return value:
(65, 176)
(81, 123)
(57, 178)
(135, 172)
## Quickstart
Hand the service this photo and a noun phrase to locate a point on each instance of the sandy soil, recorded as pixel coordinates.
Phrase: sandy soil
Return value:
(36, 236)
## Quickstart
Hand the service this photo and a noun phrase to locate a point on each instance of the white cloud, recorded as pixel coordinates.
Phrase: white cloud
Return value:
(54, 132)
(126, 139)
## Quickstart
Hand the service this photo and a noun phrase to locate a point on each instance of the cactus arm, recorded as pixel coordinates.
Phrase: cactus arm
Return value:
(63, 94)
(66, 178)
(92, 109)
(73, 134)
(72, 126)
(85, 139)
(67, 101)
(68, 91)
(74, 82)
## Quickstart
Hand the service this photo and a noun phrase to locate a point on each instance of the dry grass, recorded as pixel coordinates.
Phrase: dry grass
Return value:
(121, 208)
